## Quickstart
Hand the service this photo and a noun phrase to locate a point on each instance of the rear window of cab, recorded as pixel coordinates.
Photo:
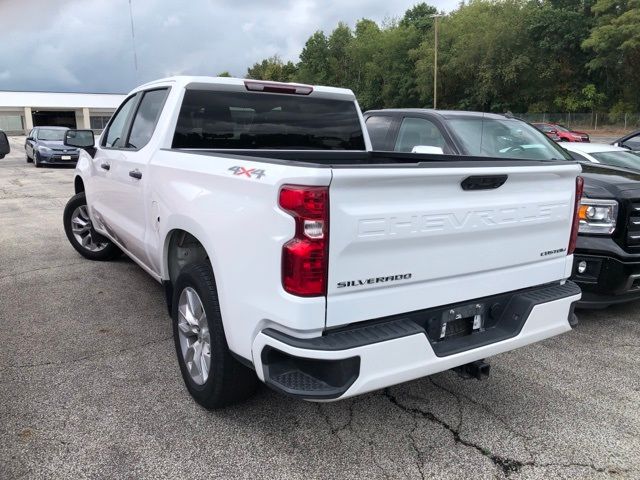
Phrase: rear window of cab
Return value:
(248, 120)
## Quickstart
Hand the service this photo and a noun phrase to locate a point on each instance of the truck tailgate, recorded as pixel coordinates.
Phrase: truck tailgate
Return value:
(405, 239)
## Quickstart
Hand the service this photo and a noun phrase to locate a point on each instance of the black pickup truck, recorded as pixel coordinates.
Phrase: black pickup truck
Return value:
(607, 255)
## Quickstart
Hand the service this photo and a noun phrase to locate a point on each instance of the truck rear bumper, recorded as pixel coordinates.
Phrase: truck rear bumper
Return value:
(368, 357)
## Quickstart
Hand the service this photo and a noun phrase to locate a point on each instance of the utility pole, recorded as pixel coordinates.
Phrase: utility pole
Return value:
(133, 43)
(435, 60)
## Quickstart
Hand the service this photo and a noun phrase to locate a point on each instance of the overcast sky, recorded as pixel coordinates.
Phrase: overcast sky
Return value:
(86, 45)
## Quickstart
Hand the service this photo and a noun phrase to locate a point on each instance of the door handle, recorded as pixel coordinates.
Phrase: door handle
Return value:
(483, 182)
(105, 166)
(135, 174)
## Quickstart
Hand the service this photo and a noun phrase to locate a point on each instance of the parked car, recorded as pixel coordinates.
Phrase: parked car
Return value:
(604, 154)
(565, 134)
(459, 133)
(293, 254)
(548, 130)
(5, 148)
(45, 146)
(630, 141)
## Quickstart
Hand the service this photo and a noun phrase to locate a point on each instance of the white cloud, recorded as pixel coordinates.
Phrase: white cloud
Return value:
(86, 45)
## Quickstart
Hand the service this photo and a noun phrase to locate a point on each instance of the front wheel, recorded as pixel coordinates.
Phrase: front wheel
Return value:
(35, 160)
(79, 229)
(214, 378)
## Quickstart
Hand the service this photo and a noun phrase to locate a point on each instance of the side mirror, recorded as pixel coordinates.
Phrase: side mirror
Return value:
(5, 148)
(616, 144)
(427, 149)
(79, 138)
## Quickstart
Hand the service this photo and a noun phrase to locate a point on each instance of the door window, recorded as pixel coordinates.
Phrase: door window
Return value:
(418, 131)
(379, 128)
(633, 143)
(146, 118)
(579, 157)
(116, 133)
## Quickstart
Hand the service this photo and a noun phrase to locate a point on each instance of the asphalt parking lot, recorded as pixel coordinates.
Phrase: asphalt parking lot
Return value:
(90, 387)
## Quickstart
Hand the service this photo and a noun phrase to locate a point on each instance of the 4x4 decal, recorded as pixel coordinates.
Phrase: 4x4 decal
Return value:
(249, 172)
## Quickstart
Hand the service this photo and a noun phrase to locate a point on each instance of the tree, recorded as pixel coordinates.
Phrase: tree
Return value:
(314, 60)
(419, 17)
(224, 74)
(615, 43)
(484, 58)
(273, 68)
(494, 55)
(339, 62)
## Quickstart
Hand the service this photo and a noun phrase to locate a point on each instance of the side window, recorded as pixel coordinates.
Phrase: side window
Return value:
(633, 143)
(116, 132)
(579, 158)
(146, 117)
(32, 133)
(418, 131)
(379, 128)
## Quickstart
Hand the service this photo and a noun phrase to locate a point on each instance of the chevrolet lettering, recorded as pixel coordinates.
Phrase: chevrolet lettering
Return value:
(462, 220)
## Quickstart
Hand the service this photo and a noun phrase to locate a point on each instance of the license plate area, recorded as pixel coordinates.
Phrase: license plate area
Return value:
(459, 321)
(66, 157)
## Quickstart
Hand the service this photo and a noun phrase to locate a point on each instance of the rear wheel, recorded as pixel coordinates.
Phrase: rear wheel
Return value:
(79, 229)
(214, 378)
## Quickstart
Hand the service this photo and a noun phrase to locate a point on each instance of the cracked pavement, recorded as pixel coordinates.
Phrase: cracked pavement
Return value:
(90, 388)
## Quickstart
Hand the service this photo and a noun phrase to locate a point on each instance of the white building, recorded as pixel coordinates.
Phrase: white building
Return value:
(21, 111)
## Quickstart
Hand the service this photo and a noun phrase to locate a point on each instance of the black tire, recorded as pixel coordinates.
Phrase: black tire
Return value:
(35, 160)
(229, 381)
(107, 253)
(29, 159)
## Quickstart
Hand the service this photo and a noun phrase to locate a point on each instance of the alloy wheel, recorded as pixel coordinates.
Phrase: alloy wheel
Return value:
(193, 331)
(83, 230)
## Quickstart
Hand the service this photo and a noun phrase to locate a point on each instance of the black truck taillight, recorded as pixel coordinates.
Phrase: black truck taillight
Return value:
(305, 256)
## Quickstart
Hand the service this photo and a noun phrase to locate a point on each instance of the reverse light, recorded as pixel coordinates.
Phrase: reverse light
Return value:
(598, 216)
(305, 256)
(576, 216)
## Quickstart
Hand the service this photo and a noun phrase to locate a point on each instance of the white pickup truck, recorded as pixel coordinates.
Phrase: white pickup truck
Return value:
(293, 254)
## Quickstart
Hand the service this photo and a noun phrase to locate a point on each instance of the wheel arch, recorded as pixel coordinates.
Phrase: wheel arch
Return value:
(182, 246)
(78, 184)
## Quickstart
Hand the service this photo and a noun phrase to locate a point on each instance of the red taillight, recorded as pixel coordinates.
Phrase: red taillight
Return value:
(576, 216)
(274, 87)
(304, 257)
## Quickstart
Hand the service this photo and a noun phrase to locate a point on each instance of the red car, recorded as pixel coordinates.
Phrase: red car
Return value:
(549, 130)
(564, 133)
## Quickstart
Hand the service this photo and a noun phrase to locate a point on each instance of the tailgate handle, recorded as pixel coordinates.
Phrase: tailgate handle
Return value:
(483, 182)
